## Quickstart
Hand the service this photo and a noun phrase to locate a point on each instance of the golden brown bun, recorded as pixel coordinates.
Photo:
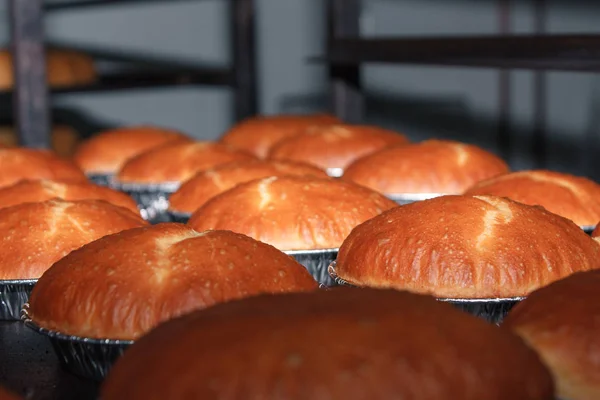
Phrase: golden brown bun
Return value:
(432, 166)
(561, 322)
(572, 197)
(596, 232)
(207, 184)
(466, 247)
(36, 235)
(107, 151)
(337, 344)
(42, 190)
(6, 395)
(152, 274)
(64, 139)
(257, 135)
(335, 146)
(178, 162)
(17, 164)
(292, 213)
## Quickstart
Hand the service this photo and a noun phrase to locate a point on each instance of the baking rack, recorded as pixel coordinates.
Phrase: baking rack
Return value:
(347, 51)
(30, 95)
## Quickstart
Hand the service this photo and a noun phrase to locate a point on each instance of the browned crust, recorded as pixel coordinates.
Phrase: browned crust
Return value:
(572, 197)
(207, 184)
(432, 166)
(36, 235)
(337, 344)
(155, 273)
(107, 151)
(178, 162)
(561, 322)
(466, 247)
(257, 135)
(335, 146)
(292, 213)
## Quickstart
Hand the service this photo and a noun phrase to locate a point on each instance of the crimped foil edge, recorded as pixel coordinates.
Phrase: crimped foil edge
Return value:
(407, 198)
(178, 216)
(317, 263)
(14, 293)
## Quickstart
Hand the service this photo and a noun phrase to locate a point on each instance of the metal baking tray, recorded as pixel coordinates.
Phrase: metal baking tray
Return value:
(14, 294)
(491, 309)
(407, 198)
(100, 179)
(152, 199)
(180, 217)
(85, 357)
(588, 228)
(316, 262)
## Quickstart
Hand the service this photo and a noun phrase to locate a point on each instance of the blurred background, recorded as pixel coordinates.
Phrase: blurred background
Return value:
(421, 101)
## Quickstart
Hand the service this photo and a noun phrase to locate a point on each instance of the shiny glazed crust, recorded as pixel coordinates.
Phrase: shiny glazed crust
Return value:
(355, 344)
(36, 235)
(155, 273)
(335, 146)
(561, 322)
(292, 213)
(572, 197)
(432, 166)
(257, 135)
(107, 151)
(466, 247)
(178, 162)
(17, 164)
(42, 190)
(207, 184)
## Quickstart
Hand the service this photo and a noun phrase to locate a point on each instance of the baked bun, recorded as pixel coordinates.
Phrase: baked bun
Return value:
(335, 344)
(42, 190)
(207, 184)
(561, 322)
(432, 166)
(596, 232)
(256, 135)
(178, 162)
(466, 247)
(64, 139)
(572, 197)
(17, 164)
(292, 213)
(107, 151)
(36, 235)
(335, 146)
(155, 273)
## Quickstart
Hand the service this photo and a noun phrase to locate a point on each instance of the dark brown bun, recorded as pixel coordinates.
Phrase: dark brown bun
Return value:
(64, 139)
(178, 162)
(596, 232)
(335, 146)
(107, 151)
(572, 197)
(561, 322)
(466, 247)
(36, 235)
(42, 190)
(207, 184)
(292, 213)
(17, 164)
(151, 274)
(354, 344)
(432, 166)
(257, 135)
(6, 395)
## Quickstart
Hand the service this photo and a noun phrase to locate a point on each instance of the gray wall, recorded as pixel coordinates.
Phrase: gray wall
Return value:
(422, 101)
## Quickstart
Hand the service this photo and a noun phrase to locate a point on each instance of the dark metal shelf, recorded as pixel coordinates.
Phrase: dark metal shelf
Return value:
(67, 5)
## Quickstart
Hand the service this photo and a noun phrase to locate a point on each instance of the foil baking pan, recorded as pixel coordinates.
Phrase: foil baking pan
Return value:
(177, 216)
(100, 179)
(407, 198)
(588, 228)
(14, 294)
(316, 262)
(334, 172)
(86, 357)
(490, 309)
(152, 199)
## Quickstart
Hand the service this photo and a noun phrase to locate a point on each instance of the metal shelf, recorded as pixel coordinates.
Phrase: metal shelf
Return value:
(68, 5)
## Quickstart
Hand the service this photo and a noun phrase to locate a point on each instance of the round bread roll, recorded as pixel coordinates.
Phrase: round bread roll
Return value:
(335, 344)
(596, 232)
(42, 190)
(257, 135)
(292, 213)
(432, 166)
(572, 197)
(36, 235)
(207, 184)
(561, 322)
(335, 146)
(152, 274)
(178, 162)
(106, 152)
(6, 395)
(17, 164)
(466, 247)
